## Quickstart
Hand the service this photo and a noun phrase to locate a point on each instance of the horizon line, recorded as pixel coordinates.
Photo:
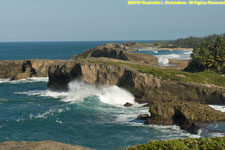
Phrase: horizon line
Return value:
(82, 41)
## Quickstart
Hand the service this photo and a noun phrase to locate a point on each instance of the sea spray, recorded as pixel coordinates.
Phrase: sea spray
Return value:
(79, 90)
(162, 61)
(112, 95)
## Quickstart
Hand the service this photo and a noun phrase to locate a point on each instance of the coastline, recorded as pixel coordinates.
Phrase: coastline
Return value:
(112, 64)
(166, 49)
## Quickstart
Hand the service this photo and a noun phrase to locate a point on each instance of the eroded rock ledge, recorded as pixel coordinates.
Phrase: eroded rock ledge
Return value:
(189, 116)
(19, 69)
(42, 145)
(145, 87)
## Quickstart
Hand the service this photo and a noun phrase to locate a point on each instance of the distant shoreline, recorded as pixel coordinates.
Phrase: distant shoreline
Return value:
(157, 49)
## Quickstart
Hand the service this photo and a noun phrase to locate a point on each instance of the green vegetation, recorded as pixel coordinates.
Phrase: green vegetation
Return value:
(175, 75)
(190, 42)
(215, 143)
(208, 77)
(210, 56)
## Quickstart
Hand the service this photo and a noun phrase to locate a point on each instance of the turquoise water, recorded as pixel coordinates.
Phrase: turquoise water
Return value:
(85, 115)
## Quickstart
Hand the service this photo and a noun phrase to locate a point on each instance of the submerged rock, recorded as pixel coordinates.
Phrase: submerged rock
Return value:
(188, 115)
(42, 145)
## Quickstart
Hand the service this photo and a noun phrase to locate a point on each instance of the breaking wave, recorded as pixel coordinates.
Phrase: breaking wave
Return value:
(79, 90)
(112, 97)
(162, 61)
(218, 107)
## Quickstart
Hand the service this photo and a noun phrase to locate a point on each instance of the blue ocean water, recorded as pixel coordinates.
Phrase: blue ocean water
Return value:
(44, 50)
(85, 115)
(47, 50)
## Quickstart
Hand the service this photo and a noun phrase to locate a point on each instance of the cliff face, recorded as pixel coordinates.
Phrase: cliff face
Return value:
(19, 69)
(145, 87)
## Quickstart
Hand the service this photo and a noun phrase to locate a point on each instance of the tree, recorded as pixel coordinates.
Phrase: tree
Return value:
(210, 56)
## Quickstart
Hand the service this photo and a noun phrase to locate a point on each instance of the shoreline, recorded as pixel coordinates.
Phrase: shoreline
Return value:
(160, 49)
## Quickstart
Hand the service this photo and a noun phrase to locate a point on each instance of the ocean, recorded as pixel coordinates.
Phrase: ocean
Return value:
(86, 115)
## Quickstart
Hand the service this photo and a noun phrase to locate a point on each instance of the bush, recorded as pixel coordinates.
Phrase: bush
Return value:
(214, 143)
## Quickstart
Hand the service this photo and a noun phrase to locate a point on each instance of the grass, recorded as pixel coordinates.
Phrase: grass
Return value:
(208, 77)
(214, 143)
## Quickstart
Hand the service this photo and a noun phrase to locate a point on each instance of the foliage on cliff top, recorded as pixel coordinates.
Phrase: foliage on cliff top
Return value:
(210, 56)
(206, 77)
(214, 143)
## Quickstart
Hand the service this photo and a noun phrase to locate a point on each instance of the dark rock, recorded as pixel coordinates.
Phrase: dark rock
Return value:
(128, 104)
(143, 116)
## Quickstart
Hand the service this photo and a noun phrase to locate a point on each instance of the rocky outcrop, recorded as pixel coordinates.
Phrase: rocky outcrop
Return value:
(128, 104)
(42, 145)
(19, 69)
(145, 87)
(143, 117)
(189, 116)
(117, 51)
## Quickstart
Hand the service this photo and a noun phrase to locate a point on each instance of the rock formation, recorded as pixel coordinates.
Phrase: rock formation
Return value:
(42, 145)
(94, 67)
(19, 69)
(117, 51)
(189, 116)
(145, 87)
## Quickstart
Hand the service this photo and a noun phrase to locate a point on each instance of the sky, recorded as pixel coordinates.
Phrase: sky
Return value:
(103, 20)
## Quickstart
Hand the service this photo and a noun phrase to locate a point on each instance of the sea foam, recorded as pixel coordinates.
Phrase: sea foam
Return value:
(27, 80)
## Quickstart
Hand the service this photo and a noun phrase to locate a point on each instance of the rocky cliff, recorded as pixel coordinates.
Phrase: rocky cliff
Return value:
(19, 69)
(189, 116)
(144, 86)
(42, 145)
(117, 51)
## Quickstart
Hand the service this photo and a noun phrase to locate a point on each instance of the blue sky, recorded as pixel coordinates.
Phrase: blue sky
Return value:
(93, 20)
